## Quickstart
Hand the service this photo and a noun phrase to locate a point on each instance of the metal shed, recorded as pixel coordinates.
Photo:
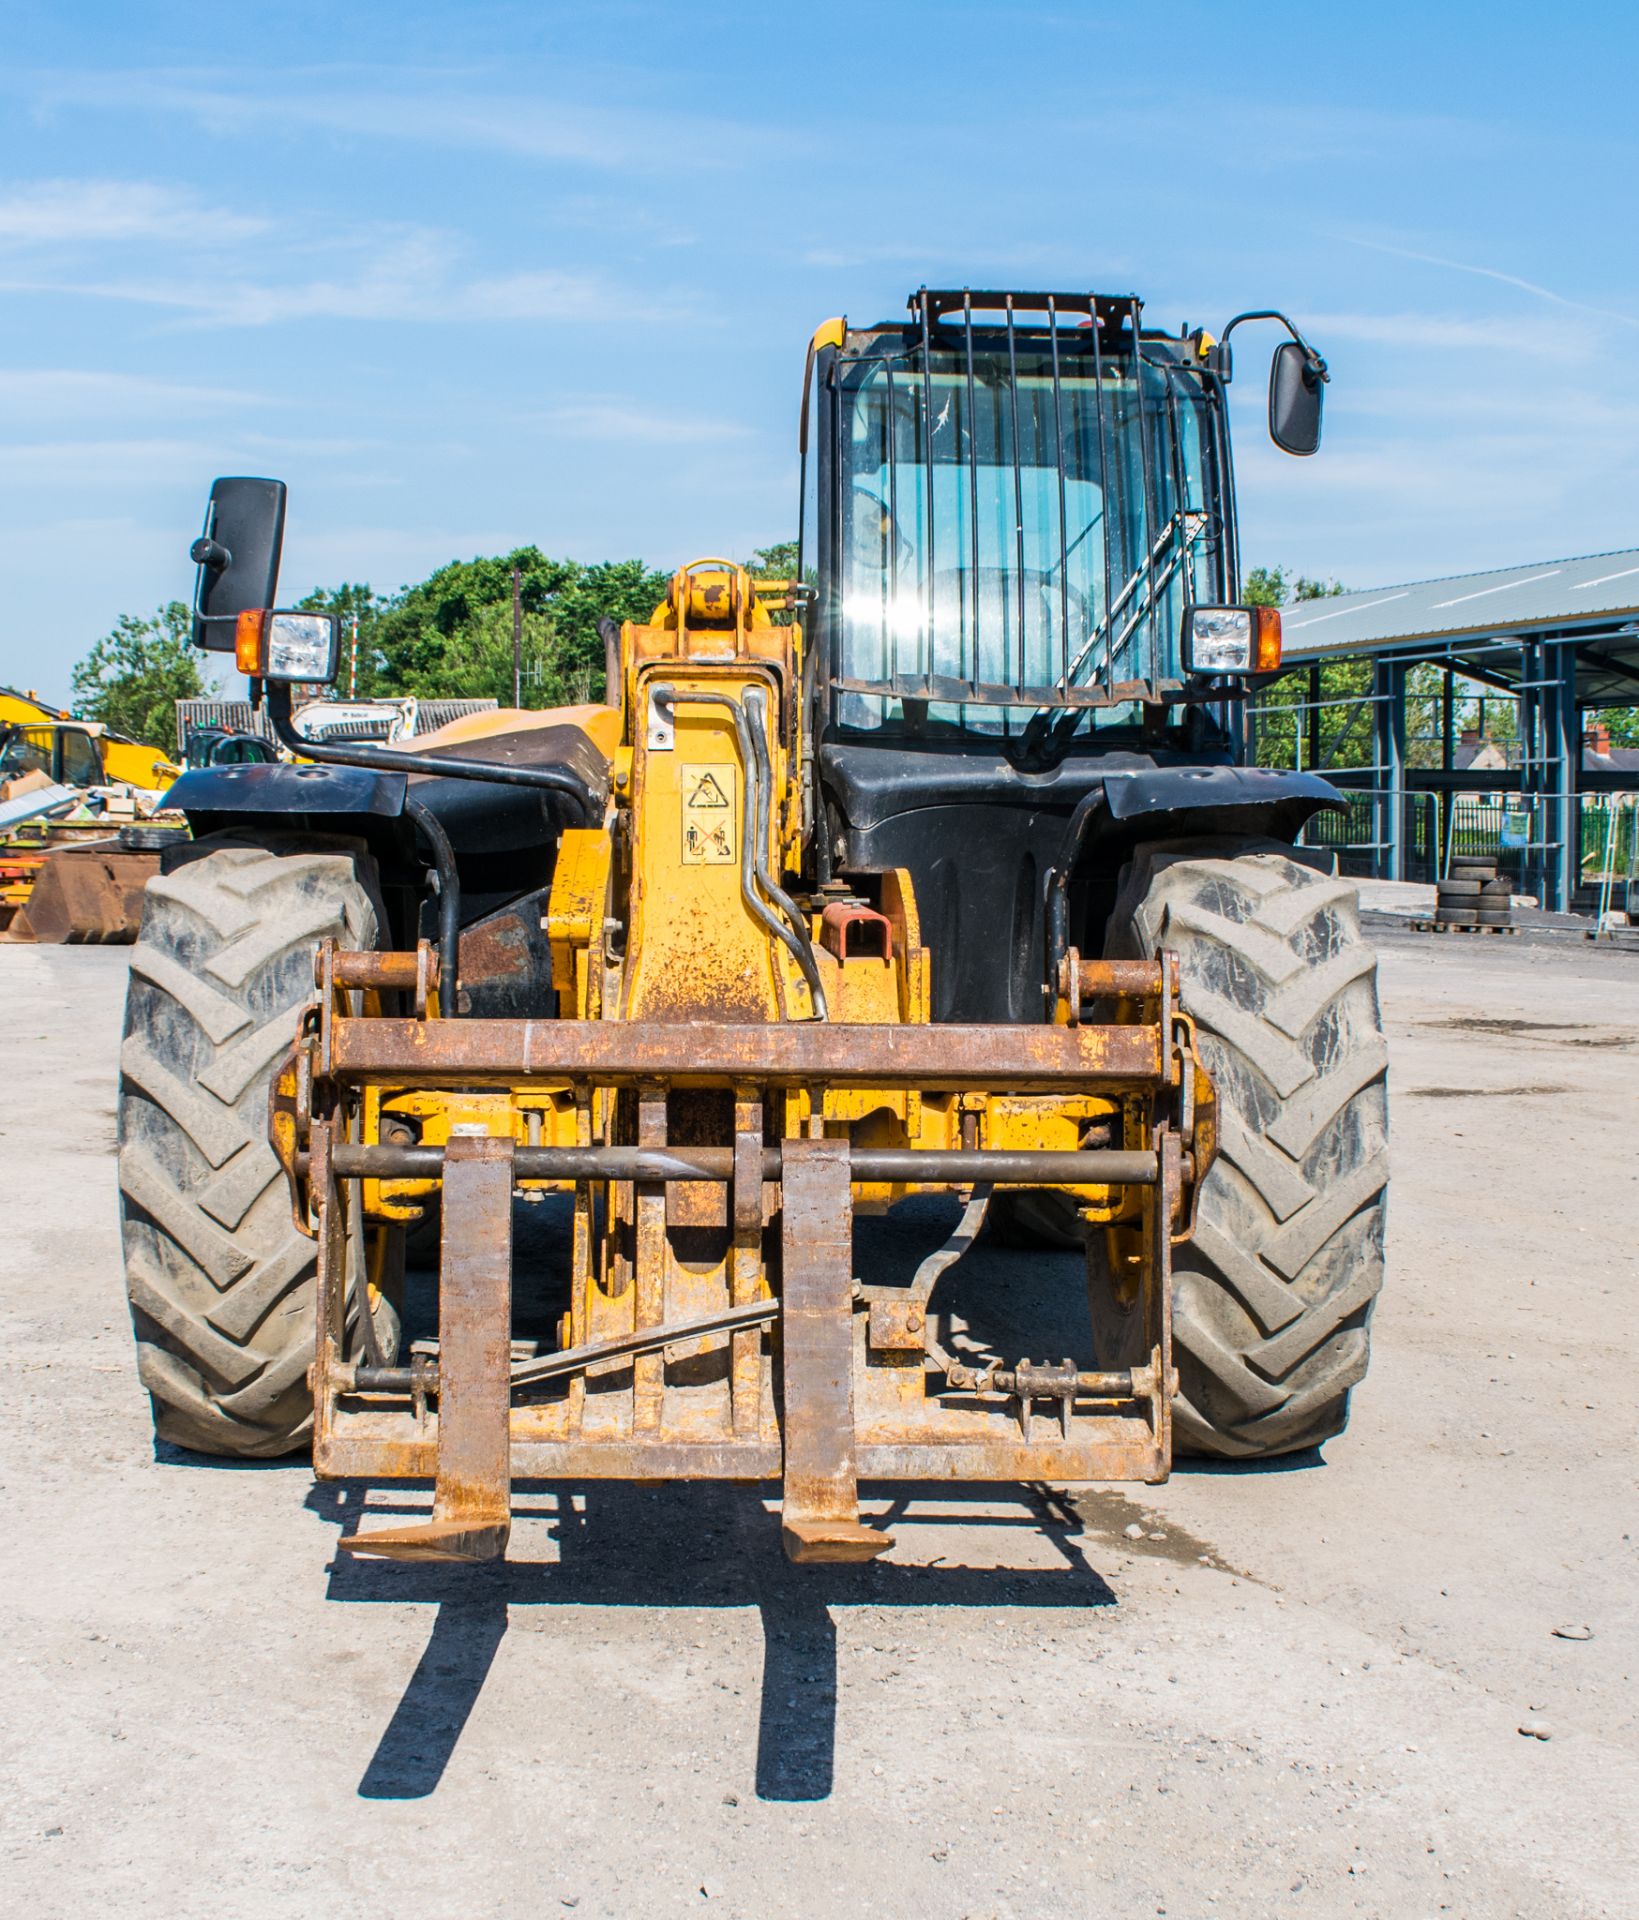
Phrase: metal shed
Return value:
(1552, 639)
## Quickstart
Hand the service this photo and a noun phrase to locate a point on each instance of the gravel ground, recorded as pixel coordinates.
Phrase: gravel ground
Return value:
(1299, 1693)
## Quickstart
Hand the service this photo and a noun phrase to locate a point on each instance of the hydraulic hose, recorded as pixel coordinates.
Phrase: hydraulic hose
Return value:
(753, 825)
(1058, 880)
(431, 829)
(755, 713)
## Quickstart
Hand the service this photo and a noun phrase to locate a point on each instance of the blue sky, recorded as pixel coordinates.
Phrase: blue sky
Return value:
(473, 275)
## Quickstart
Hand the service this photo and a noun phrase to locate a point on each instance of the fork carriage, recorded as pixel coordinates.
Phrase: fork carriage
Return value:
(715, 1327)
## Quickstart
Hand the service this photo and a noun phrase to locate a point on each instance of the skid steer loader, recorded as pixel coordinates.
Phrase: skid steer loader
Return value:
(932, 870)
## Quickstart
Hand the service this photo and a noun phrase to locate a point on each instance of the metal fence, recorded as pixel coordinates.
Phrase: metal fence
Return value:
(1510, 828)
(1363, 835)
(1515, 830)
(1609, 868)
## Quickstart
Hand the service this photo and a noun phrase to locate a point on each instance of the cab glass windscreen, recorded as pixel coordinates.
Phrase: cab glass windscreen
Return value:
(1025, 526)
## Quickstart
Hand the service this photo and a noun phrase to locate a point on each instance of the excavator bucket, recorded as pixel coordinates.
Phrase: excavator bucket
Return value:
(90, 895)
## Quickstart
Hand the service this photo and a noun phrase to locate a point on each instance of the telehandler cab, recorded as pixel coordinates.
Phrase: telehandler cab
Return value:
(933, 869)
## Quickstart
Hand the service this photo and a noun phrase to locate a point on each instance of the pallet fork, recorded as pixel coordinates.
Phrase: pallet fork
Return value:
(771, 1360)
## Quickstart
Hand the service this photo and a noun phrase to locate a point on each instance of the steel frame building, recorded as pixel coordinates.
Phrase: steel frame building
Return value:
(1558, 638)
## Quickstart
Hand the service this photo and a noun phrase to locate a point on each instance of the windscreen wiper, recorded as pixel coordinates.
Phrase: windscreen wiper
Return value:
(1047, 736)
(1181, 533)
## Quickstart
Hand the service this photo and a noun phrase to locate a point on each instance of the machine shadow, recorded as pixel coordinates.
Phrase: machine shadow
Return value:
(683, 1545)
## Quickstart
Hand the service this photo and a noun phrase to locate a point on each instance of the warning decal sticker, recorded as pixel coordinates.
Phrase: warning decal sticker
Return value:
(710, 816)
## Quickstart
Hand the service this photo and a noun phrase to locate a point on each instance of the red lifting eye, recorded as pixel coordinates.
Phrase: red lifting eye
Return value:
(854, 932)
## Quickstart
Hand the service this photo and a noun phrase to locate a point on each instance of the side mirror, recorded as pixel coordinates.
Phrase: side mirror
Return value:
(237, 556)
(1297, 381)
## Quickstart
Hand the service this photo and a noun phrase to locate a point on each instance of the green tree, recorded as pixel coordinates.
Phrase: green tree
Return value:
(133, 677)
(1622, 721)
(1283, 727)
(358, 608)
(1303, 588)
(1275, 586)
(452, 632)
(776, 562)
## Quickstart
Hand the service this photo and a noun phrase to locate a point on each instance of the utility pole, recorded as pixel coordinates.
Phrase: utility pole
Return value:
(353, 662)
(517, 643)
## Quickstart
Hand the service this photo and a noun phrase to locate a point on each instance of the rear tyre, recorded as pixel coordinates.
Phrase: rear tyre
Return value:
(221, 1284)
(1272, 1297)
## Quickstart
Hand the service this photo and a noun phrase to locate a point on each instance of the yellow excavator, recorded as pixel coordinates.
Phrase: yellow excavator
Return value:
(65, 787)
(35, 737)
(930, 875)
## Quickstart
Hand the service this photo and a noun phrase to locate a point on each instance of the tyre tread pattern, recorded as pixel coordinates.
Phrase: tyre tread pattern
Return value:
(220, 1282)
(1273, 1295)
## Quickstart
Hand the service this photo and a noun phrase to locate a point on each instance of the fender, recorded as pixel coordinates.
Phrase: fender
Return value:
(990, 846)
(1189, 800)
(1177, 803)
(213, 797)
(503, 839)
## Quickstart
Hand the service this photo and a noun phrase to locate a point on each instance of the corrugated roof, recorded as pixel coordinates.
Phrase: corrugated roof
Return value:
(242, 717)
(239, 716)
(433, 714)
(1600, 587)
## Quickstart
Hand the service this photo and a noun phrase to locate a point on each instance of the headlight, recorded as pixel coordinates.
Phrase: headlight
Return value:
(1231, 640)
(270, 645)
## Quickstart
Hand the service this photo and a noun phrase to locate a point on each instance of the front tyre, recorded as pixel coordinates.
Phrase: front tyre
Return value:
(1272, 1297)
(221, 1283)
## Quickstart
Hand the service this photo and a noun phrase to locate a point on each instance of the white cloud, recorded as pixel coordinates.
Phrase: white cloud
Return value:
(1446, 333)
(541, 295)
(941, 261)
(71, 393)
(1383, 509)
(607, 215)
(1298, 131)
(29, 465)
(1504, 279)
(68, 212)
(479, 111)
(1587, 415)
(402, 268)
(1453, 442)
(393, 272)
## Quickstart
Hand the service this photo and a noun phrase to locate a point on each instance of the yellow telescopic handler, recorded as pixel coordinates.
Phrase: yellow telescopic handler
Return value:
(933, 870)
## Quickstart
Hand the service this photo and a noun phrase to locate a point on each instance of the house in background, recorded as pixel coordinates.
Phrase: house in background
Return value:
(1599, 756)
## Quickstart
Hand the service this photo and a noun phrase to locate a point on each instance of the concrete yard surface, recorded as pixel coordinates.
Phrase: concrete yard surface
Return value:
(1299, 1692)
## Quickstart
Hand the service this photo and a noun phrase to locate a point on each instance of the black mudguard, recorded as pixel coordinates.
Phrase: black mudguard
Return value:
(505, 838)
(1175, 802)
(214, 798)
(984, 840)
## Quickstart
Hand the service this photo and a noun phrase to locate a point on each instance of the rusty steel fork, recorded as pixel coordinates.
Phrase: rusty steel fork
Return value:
(820, 1518)
(472, 1501)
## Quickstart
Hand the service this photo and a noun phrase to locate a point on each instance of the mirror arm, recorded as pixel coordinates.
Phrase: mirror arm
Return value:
(1316, 365)
(386, 760)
